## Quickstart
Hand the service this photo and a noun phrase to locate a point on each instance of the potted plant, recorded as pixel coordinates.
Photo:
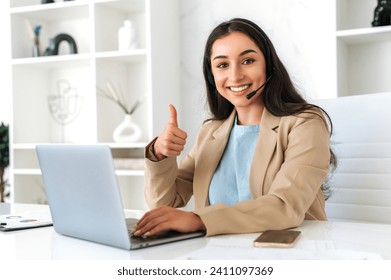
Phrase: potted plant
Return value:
(4, 157)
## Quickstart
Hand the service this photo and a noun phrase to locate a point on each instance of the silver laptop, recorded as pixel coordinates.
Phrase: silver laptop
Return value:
(84, 198)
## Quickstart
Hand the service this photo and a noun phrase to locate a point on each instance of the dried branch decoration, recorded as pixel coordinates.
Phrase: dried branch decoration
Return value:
(118, 99)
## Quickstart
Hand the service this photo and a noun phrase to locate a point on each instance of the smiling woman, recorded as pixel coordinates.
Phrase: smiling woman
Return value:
(258, 163)
(238, 67)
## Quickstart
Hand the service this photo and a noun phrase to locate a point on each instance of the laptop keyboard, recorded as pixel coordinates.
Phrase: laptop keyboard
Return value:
(131, 223)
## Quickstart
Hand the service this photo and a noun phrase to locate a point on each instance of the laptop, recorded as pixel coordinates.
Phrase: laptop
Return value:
(84, 197)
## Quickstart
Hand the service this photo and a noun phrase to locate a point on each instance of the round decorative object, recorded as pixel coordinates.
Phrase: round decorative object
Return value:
(55, 42)
(127, 131)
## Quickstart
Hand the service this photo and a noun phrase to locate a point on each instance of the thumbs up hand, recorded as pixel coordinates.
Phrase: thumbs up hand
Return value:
(173, 115)
(173, 139)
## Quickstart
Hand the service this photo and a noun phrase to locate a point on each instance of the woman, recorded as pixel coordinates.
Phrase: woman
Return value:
(258, 164)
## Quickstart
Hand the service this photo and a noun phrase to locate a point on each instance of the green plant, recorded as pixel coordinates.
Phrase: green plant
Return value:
(4, 157)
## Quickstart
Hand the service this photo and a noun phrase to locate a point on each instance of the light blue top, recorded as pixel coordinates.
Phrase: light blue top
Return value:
(230, 182)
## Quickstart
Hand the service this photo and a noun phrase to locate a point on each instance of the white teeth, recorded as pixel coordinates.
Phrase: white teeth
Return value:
(239, 88)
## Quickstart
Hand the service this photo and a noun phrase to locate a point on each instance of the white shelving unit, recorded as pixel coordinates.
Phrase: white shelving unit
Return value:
(150, 72)
(363, 51)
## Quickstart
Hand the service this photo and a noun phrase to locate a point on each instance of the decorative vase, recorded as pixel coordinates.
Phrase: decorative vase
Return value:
(36, 46)
(127, 36)
(127, 131)
(36, 51)
(382, 13)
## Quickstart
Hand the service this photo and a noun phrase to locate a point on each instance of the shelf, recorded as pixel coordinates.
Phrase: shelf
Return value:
(127, 159)
(72, 20)
(129, 56)
(55, 11)
(362, 51)
(106, 37)
(354, 14)
(54, 61)
(76, 8)
(77, 60)
(365, 35)
(36, 172)
(129, 6)
(55, 100)
(139, 145)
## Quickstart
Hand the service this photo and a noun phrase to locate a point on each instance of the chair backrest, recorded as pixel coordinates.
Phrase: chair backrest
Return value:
(361, 183)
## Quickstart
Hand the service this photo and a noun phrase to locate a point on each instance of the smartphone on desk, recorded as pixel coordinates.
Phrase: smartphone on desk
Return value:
(277, 238)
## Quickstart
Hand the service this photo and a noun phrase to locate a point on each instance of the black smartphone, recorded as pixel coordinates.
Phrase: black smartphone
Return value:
(277, 238)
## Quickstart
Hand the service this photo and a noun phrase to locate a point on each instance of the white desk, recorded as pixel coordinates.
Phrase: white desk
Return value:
(320, 240)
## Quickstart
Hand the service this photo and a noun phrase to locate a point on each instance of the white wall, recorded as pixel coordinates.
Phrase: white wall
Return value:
(303, 32)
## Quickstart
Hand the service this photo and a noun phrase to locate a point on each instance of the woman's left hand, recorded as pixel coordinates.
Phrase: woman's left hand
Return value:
(167, 218)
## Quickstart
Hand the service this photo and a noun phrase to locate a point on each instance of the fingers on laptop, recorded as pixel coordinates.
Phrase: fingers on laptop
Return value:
(167, 218)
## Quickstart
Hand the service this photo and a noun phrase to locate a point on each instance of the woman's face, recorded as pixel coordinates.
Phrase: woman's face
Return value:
(238, 67)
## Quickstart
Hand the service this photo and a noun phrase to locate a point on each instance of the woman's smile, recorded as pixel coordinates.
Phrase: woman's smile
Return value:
(239, 88)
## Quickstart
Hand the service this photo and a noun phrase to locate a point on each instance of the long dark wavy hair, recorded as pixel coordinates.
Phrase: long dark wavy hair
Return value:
(279, 96)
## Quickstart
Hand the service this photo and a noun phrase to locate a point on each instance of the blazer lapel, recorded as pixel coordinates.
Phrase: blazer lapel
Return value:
(210, 157)
(263, 153)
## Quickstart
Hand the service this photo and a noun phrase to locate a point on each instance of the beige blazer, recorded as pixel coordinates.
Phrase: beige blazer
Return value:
(290, 163)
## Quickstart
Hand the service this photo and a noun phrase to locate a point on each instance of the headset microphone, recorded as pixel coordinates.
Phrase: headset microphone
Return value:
(251, 94)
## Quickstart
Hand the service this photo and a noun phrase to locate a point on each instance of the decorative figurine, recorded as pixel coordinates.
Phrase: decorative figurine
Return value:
(54, 43)
(382, 13)
(36, 48)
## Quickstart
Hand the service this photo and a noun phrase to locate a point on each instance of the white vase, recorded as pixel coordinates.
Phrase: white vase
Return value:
(127, 131)
(127, 36)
